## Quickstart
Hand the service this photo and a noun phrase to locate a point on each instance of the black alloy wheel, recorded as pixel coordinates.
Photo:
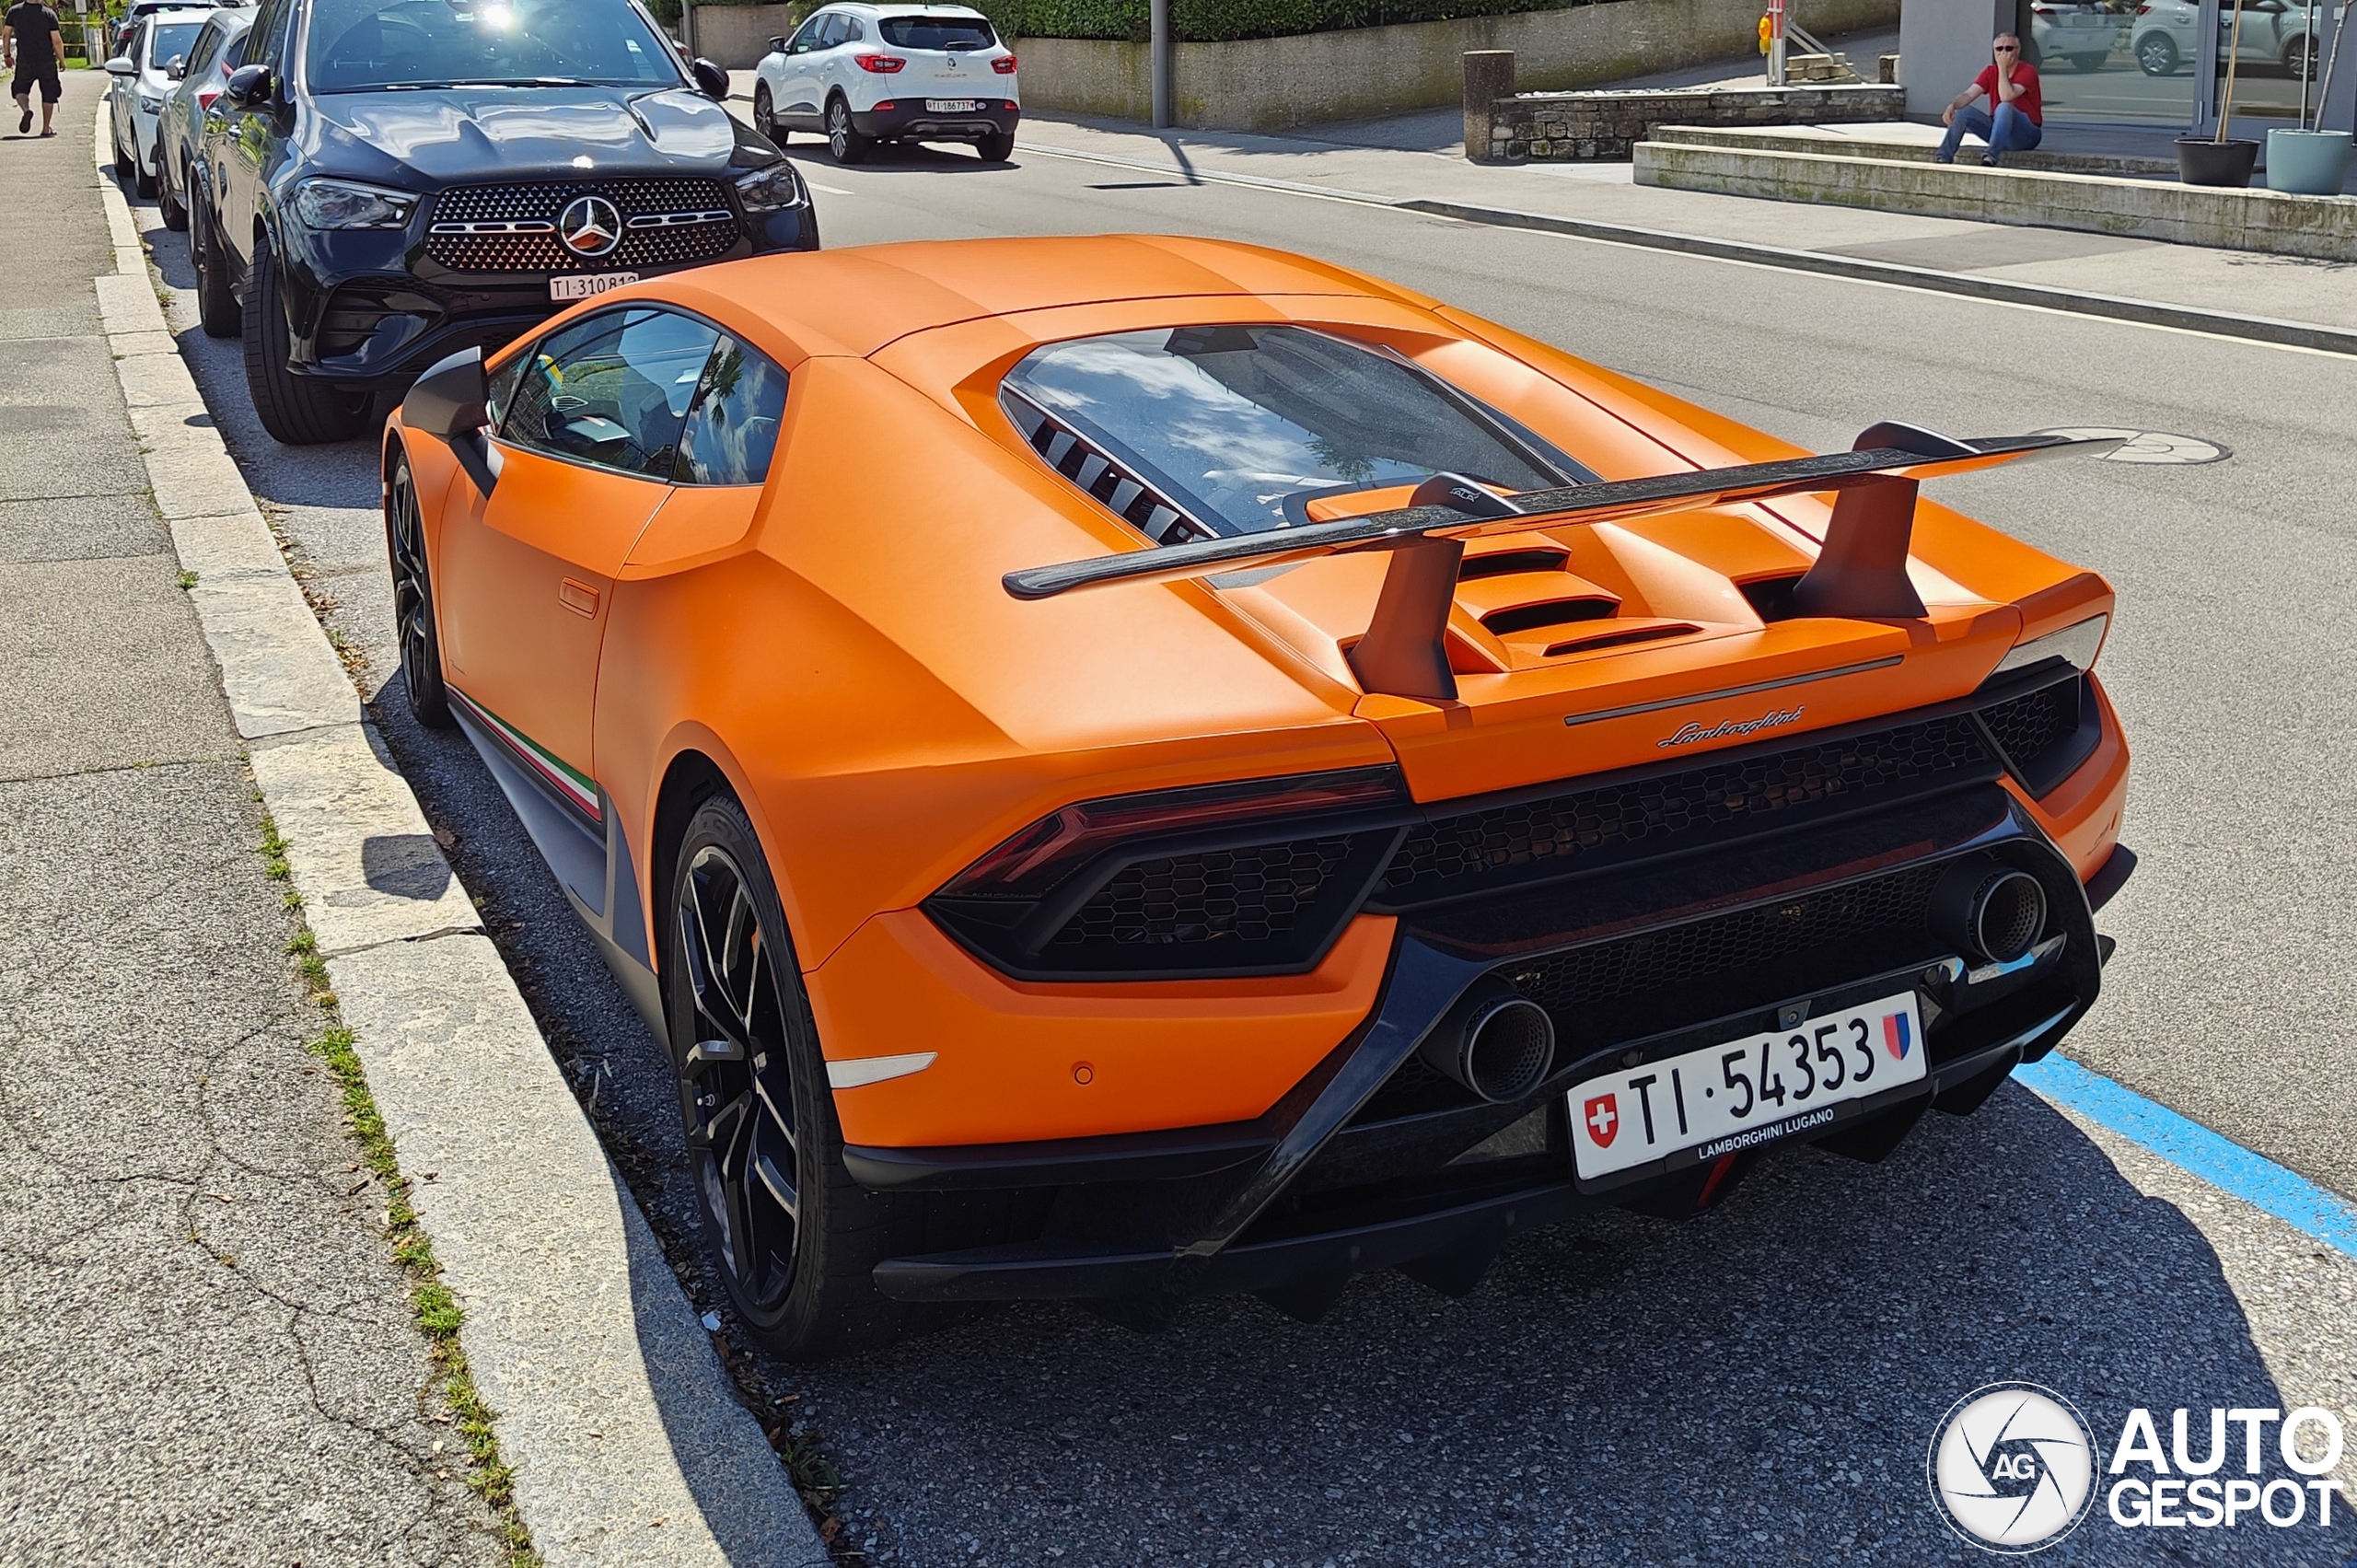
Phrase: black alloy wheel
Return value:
(299, 410)
(765, 115)
(429, 698)
(843, 140)
(216, 297)
(2299, 60)
(794, 1240)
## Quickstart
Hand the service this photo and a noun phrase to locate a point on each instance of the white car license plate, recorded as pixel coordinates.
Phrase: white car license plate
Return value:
(1745, 1092)
(588, 285)
(951, 105)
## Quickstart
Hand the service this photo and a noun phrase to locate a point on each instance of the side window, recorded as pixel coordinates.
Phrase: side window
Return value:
(265, 42)
(208, 44)
(611, 391)
(808, 37)
(732, 430)
(852, 32)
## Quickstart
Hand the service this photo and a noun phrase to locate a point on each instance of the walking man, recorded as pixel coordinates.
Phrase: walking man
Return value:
(33, 46)
(2015, 118)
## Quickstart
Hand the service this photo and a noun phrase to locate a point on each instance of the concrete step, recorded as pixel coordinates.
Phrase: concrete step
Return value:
(1859, 142)
(2322, 227)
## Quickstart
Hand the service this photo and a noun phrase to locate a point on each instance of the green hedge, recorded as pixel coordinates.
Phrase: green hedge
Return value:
(1223, 21)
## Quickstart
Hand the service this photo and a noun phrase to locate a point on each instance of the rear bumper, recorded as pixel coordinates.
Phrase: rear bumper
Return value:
(910, 120)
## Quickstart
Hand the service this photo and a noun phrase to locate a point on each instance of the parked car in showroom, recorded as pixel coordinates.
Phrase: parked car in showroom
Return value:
(142, 79)
(180, 138)
(383, 182)
(859, 75)
(1130, 768)
(2274, 33)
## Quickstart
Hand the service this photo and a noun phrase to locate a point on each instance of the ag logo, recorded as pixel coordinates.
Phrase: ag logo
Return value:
(589, 226)
(2012, 1468)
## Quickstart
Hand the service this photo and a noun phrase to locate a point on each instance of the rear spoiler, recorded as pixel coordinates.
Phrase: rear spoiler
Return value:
(1860, 573)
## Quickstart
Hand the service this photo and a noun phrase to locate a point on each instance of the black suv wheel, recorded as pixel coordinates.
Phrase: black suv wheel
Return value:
(217, 297)
(295, 410)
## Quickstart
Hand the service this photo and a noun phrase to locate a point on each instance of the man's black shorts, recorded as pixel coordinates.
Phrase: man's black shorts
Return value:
(52, 87)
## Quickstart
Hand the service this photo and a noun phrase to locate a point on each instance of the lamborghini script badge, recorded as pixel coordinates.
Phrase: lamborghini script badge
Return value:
(1692, 733)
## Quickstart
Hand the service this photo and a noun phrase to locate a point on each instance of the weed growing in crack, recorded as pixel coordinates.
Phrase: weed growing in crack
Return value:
(273, 851)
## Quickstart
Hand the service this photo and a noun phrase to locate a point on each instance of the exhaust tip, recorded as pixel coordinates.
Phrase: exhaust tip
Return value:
(1995, 912)
(1501, 1050)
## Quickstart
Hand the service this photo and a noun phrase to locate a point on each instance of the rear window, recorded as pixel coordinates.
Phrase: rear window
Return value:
(937, 32)
(1244, 427)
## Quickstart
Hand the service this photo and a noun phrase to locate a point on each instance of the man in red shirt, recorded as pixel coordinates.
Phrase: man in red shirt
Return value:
(2015, 118)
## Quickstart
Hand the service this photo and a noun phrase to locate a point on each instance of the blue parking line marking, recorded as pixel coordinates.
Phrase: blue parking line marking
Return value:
(2190, 1147)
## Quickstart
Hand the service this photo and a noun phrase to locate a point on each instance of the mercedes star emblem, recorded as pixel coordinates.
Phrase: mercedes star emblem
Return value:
(589, 226)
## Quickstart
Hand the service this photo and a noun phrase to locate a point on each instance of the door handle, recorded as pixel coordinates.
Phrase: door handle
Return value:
(578, 598)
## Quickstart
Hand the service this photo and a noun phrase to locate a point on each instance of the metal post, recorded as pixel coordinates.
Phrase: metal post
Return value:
(1158, 59)
(1775, 43)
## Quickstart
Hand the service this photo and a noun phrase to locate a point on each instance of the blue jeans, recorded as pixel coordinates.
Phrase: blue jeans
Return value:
(2010, 130)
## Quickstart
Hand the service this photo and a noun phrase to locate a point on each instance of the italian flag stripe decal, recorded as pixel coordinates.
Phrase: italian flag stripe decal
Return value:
(575, 786)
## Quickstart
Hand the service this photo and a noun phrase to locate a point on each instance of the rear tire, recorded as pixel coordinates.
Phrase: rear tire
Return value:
(2089, 62)
(175, 211)
(765, 115)
(843, 140)
(2157, 55)
(792, 1239)
(296, 410)
(142, 183)
(123, 168)
(420, 643)
(998, 148)
(216, 299)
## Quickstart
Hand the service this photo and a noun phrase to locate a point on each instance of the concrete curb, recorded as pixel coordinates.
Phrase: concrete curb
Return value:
(628, 1443)
(2309, 335)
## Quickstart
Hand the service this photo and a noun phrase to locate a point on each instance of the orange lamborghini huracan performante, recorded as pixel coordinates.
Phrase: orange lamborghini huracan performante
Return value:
(1132, 768)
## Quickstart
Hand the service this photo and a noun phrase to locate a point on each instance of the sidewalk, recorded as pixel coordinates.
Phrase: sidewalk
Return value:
(211, 1355)
(2234, 283)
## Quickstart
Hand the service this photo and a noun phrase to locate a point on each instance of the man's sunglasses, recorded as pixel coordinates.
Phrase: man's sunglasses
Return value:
(2009, 49)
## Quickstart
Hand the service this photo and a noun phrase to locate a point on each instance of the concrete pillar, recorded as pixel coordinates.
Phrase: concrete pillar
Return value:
(1943, 44)
(1489, 74)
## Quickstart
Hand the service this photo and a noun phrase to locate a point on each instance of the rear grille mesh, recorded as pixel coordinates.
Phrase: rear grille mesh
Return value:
(673, 244)
(1482, 849)
(1239, 896)
(2027, 727)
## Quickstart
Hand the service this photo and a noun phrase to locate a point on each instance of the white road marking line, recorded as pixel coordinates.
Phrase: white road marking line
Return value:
(830, 190)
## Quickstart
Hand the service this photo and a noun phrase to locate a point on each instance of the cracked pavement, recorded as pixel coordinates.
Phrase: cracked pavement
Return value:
(212, 1358)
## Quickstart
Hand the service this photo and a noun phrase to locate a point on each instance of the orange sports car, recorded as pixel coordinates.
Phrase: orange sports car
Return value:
(1127, 768)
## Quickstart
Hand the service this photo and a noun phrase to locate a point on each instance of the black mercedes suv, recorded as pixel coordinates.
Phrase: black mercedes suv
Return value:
(384, 183)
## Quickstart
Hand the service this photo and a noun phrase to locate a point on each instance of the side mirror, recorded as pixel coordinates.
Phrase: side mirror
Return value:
(777, 46)
(178, 69)
(713, 80)
(123, 65)
(249, 85)
(452, 401)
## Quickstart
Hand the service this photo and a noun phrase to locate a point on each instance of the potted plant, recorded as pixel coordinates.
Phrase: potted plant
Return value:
(2219, 161)
(2311, 160)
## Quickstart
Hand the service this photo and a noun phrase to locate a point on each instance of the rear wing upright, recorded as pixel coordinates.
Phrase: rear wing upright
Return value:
(1860, 573)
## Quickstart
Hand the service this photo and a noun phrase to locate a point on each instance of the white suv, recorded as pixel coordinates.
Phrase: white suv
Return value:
(865, 73)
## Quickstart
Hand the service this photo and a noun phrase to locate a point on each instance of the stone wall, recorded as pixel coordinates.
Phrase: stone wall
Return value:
(1269, 83)
(735, 37)
(1585, 127)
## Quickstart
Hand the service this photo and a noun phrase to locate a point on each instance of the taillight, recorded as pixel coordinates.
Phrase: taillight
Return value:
(1004, 66)
(881, 65)
(882, 104)
(1254, 877)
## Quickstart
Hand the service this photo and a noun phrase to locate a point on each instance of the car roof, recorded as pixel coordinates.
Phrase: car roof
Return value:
(869, 8)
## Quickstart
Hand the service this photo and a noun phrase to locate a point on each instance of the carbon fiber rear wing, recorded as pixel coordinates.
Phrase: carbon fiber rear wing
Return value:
(1860, 573)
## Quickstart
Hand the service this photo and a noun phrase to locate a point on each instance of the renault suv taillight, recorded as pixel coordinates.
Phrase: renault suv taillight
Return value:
(1255, 876)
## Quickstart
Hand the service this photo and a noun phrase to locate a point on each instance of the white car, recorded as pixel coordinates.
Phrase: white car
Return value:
(142, 79)
(865, 73)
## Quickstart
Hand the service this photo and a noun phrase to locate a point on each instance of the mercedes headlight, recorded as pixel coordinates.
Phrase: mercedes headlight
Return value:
(771, 190)
(343, 203)
(2075, 645)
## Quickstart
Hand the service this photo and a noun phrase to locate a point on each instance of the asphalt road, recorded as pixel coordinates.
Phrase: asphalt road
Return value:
(1758, 1386)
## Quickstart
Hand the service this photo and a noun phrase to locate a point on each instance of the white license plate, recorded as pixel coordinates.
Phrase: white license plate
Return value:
(588, 285)
(951, 105)
(1745, 1092)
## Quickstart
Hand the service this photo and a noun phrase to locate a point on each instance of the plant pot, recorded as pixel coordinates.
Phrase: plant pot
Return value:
(2308, 163)
(2200, 161)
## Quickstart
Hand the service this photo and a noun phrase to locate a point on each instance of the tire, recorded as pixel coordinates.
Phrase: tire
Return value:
(791, 1237)
(2157, 55)
(2298, 62)
(765, 115)
(2089, 62)
(216, 297)
(175, 213)
(296, 410)
(842, 139)
(123, 168)
(142, 183)
(420, 643)
(998, 148)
